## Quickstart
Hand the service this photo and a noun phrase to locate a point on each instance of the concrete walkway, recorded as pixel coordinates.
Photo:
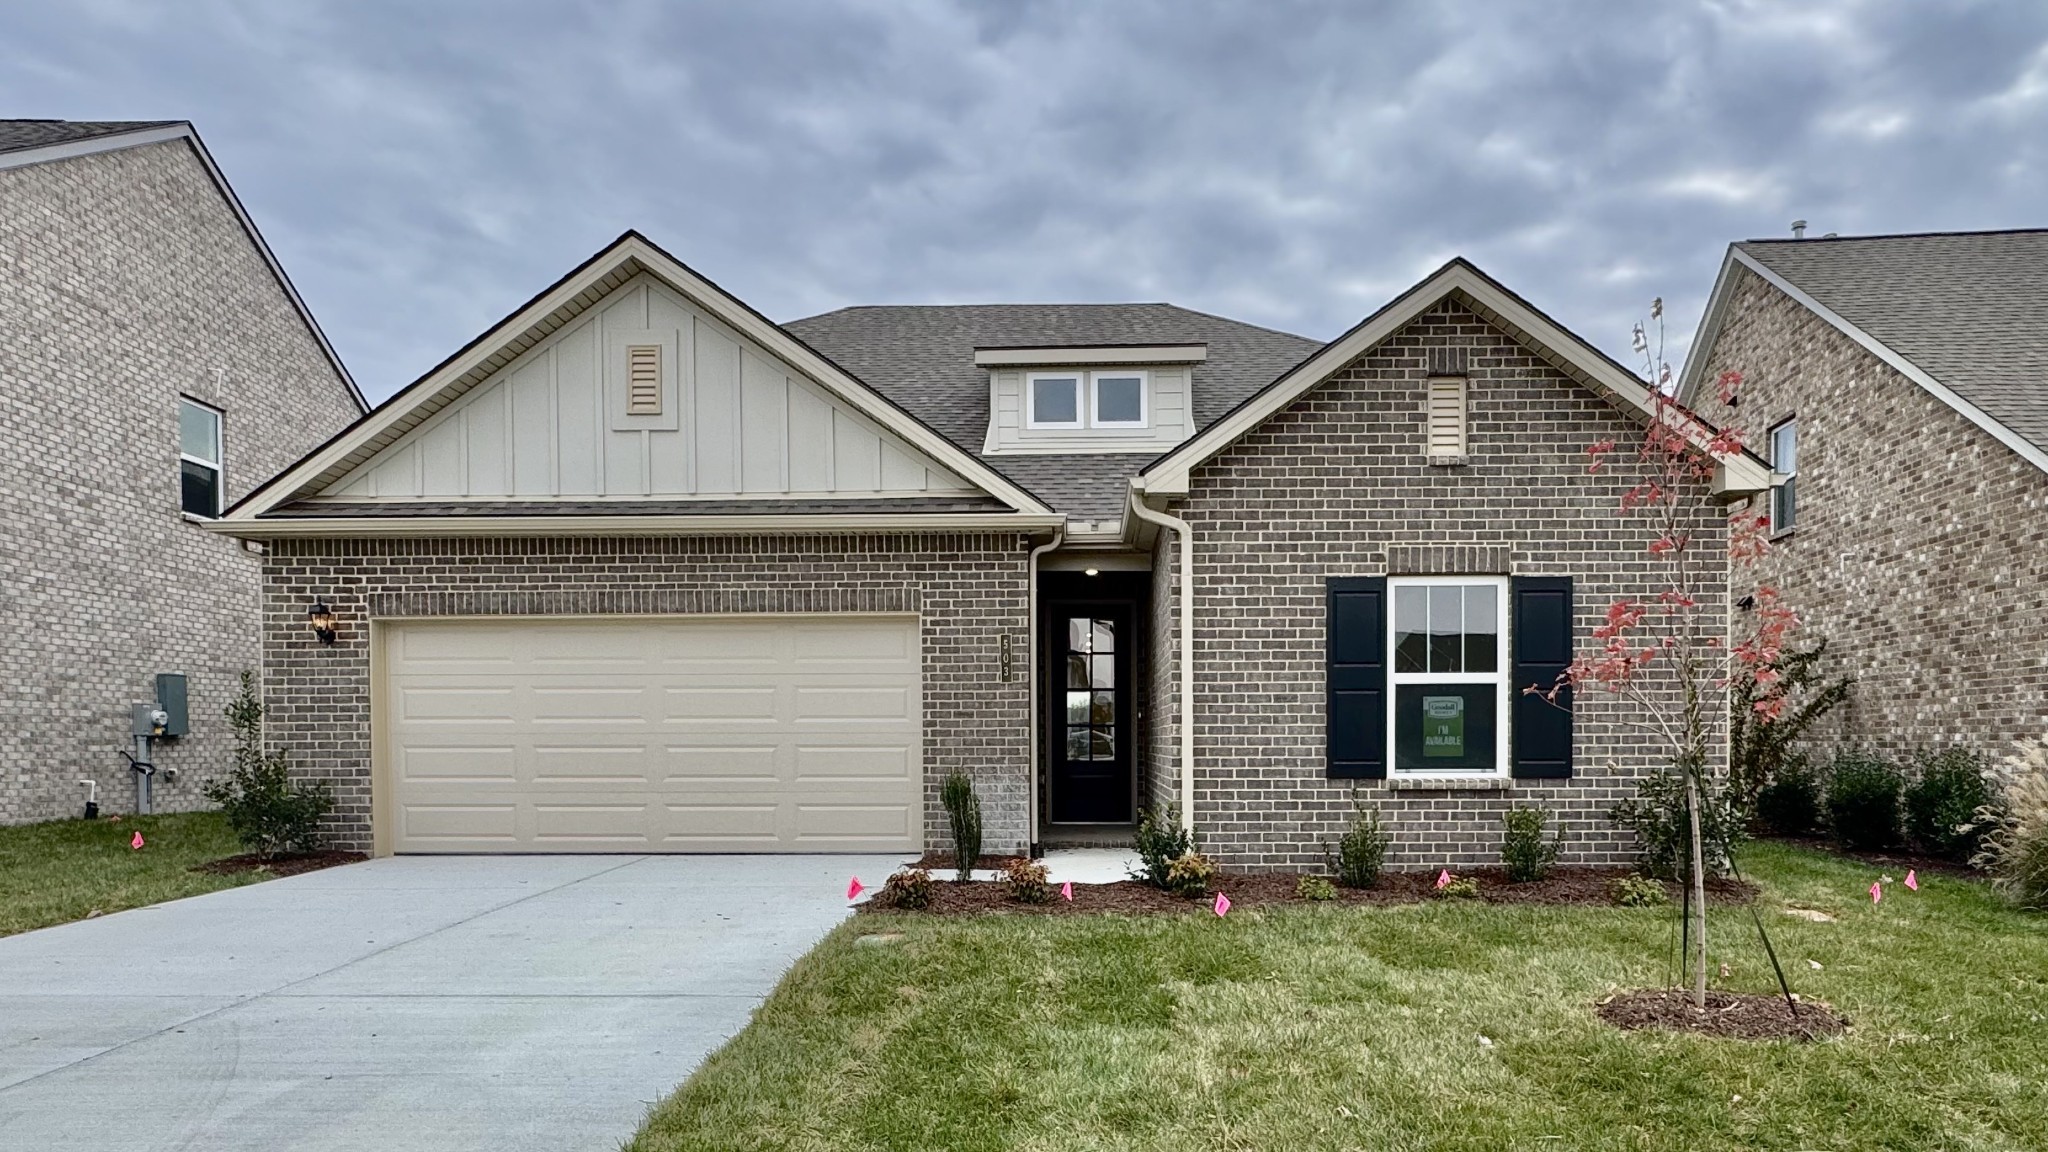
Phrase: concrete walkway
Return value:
(499, 1003)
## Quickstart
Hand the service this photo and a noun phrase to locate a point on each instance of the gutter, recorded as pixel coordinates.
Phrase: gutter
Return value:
(1034, 723)
(829, 524)
(1184, 551)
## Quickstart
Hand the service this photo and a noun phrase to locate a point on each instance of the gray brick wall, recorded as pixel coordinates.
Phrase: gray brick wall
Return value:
(969, 590)
(125, 281)
(1921, 550)
(1338, 485)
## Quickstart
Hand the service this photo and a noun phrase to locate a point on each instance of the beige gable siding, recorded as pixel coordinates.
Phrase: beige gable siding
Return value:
(732, 420)
(1168, 420)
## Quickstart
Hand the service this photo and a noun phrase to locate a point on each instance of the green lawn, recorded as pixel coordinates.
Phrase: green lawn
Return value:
(64, 870)
(1336, 1028)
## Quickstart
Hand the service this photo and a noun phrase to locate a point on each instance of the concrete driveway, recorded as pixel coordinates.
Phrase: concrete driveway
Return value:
(445, 1003)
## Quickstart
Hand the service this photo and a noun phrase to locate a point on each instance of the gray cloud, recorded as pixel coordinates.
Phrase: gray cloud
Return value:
(421, 169)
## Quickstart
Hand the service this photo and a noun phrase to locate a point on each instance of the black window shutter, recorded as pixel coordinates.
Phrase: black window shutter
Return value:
(1542, 738)
(1355, 659)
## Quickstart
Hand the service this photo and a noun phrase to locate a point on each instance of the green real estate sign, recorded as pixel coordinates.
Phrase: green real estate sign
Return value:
(1443, 727)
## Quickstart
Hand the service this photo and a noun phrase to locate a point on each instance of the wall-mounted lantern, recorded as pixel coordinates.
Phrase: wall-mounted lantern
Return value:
(321, 617)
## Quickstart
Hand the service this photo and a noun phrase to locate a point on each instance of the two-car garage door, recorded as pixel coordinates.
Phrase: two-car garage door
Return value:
(650, 734)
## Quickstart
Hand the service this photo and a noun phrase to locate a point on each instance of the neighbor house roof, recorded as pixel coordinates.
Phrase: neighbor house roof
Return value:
(1965, 314)
(16, 135)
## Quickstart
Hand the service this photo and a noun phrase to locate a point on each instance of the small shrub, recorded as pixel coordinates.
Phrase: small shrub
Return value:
(1527, 855)
(1790, 804)
(1942, 804)
(1458, 888)
(1314, 888)
(1656, 814)
(269, 811)
(1362, 849)
(1159, 842)
(963, 812)
(1639, 892)
(1028, 883)
(1863, 802)
(1190, 875)
(1759, 749)
(2015, 833)
(911, 888)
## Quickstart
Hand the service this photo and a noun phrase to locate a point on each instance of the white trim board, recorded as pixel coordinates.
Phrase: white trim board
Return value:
(1087, 357)
(1715, 317)
(628, 524)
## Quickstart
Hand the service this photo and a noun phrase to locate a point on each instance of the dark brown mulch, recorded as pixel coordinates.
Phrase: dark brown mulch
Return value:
(1564, 886)
(1898, 861)
(936, 862)
(289, 864)
(1731, 1015)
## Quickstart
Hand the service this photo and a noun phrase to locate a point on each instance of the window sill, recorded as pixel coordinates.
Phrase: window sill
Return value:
(1449, 461)
(1450, 784)
(196, 518)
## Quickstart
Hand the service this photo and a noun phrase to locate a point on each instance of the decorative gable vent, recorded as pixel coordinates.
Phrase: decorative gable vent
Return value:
(1447, 419)
(643, 380)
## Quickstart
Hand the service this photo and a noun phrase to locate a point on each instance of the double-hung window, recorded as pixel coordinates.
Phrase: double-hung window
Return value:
(1448, 654)
(1054, 399)
(199, 459)
(1784, 489)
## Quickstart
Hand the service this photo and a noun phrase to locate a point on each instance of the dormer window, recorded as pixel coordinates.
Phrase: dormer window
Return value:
(1055, 399)
(1119, 399)
(1082, 398)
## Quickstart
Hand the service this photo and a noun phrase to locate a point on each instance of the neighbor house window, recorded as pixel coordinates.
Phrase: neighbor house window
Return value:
(1054, 399)
(1448, 707)
(1119, 400)
(1785, 462)
(199, 474)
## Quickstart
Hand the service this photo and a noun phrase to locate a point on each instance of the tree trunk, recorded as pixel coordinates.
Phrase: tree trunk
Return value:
(1699, 895)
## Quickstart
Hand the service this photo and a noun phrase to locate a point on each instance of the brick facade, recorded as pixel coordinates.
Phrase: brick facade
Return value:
(125, 281)
(969, 589)
(1338, 484)
(1921, 550)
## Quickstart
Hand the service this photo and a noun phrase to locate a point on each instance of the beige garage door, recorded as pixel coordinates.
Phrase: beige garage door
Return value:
(665, 734)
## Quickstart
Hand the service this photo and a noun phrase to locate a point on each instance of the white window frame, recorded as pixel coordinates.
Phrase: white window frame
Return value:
(1083, 396)
(1144, 378)
(1502, 675)
(219, 466)
(1789, 424)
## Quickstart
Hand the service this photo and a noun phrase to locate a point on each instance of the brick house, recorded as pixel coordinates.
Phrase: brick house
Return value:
(639, 569)
(155, 363)
(1899, 384)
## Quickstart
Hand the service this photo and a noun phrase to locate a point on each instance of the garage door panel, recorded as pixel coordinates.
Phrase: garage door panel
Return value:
(685, 734)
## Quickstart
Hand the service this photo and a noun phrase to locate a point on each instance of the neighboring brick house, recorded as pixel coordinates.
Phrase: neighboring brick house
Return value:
(1900, 384)
(639, 569)
(154, 364)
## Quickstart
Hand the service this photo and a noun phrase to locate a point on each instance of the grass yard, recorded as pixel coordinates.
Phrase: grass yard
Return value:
(1337, 1028)
(66, 869)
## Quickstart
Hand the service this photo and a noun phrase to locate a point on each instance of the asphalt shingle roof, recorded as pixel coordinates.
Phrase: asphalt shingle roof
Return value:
(16, 135)
(1968, 308)
(922, 358)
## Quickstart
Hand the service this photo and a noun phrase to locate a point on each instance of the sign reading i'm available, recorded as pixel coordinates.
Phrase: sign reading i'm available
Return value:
(1443, 727)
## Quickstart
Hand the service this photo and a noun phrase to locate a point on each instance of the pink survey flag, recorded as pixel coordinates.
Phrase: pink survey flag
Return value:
(1443, 877)
(1067, 890)
(136, 843)
(1913, 879)
(1876, 891)
(1222, 904)
(854, 888)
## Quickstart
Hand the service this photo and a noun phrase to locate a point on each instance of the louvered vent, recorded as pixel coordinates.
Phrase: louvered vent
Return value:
(1447, 418)
(643, 380)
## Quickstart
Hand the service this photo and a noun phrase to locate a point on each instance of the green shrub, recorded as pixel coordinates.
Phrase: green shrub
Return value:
(1359, 853)
(2015, 832)
(911, 888)
(963, 812)
(1790, 804)
(1656, 814)
(1639, 892)
(1314, 888)
(1527, 855)
(1191, 875)
(1028, 883)
(1942, 803)
(269, 811)
(1159, 842)
(1863, 801)
(1759, 749)
(1457, 888)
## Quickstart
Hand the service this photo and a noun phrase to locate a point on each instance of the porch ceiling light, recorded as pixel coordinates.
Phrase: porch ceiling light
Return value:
(321, 617)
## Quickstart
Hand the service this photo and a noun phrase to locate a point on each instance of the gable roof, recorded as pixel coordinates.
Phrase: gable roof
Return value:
(27, 142)
(1963, 314)
(1462, 280)
(630, 255)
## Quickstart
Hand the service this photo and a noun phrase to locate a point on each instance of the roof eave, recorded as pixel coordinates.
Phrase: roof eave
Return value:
(285, 528)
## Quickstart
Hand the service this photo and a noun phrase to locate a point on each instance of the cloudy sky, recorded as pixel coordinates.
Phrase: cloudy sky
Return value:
(422, 168)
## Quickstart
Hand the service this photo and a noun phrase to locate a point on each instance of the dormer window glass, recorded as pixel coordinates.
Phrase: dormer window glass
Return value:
(1054, 399)
(1119, 399)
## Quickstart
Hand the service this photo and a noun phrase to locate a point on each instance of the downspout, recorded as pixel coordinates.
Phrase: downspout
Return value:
(1184, 552)
(1059, 535)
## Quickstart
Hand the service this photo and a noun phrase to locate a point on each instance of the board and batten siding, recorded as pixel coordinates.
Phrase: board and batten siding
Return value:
(1167, 405)
(554, 424)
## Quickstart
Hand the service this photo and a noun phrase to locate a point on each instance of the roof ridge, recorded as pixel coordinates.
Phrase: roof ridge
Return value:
(1895, 236)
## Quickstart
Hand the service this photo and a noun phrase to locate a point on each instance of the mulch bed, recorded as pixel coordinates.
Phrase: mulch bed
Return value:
(937, 862)
(1731, 1015)
(1897, 861)
(289, 864)
(1564, 886)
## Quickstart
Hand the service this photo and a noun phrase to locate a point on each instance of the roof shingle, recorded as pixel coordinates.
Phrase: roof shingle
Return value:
(16, 135)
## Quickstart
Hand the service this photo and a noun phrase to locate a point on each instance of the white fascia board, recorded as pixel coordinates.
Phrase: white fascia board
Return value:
(631, 525)
(1709, 331)
(2027, 449)
(70, 149)
(1090, 357)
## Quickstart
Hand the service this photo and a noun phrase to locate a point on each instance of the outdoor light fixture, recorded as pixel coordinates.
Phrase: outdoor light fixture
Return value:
(1095, 572)
(321, 617)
